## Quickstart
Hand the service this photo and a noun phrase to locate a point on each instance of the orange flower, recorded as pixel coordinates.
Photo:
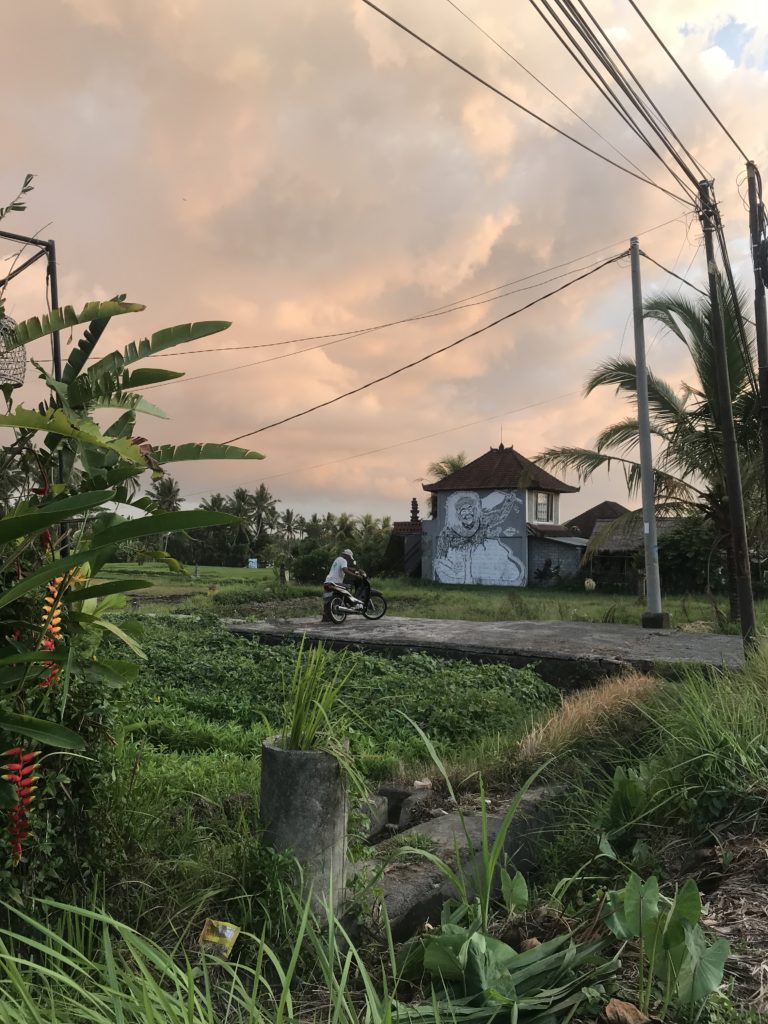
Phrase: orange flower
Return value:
(20, 772)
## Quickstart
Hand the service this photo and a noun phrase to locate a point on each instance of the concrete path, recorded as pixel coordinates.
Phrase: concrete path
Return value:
(567, 653)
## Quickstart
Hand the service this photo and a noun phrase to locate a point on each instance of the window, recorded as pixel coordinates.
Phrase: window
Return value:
(545, 507)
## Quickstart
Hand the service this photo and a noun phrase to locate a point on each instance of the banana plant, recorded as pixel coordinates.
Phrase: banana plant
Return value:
(61, 530)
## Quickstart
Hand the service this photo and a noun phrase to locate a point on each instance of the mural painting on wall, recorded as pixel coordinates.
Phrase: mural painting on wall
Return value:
(473, 546)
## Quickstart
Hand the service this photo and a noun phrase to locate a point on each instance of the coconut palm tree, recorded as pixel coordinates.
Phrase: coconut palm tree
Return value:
(288, 524)
(689, 478)
(215, 503)
(445, 466)
(263, 504)
(166, 493)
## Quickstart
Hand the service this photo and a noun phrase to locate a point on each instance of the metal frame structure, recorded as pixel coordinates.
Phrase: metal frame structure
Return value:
(45, 248)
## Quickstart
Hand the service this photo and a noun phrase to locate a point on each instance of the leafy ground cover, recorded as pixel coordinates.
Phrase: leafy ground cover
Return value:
(179, 801)
(256, 594)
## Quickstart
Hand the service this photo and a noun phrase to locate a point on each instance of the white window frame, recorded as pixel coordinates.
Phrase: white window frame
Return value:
(549, 500)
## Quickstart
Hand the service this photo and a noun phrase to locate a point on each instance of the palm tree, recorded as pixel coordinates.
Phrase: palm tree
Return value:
(215, 503)
(240, 504)
(445, 466)
(689, 477)
(314, 528)
(288, 524)
(345, 528)
(263, 504)
(166, 494)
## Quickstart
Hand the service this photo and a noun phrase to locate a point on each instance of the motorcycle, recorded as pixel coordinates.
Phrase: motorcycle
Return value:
(344, 603)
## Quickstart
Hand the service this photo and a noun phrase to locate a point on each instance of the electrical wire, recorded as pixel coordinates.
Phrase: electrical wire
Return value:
(449, 307)
(677, 276)
(682, 71)
(576, 50)
(646, 94)
(650, 114)
(338, 341)
(679, 289)
(520, 106)
(411, 440)
(430, 355)
(544, 86)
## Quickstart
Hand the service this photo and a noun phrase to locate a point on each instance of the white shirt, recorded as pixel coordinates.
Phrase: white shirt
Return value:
(336, 575)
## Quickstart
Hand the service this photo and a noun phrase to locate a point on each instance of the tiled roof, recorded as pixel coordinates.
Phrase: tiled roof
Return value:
(503, 469)
(584, 524)
(628, 536)
(399, 529)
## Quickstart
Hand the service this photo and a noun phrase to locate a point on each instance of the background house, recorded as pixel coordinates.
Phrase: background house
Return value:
(496, 521)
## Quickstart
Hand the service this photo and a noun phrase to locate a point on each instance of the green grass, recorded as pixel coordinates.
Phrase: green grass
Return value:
(256, 594)
(177, 799)
(686, 766)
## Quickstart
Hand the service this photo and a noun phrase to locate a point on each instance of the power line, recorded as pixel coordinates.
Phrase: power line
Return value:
(448, 307)
(430, 355)
(682, 71)
(649, 112)
(677, 276)
(576, 50)
(337, 341)
(520, 106)
(544, 86)
(696, 251)
(411, 440)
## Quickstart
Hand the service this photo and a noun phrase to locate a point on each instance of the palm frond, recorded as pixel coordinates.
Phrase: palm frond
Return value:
(621, 373)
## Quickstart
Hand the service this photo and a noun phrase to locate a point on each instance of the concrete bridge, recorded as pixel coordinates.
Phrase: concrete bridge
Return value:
(567, 654)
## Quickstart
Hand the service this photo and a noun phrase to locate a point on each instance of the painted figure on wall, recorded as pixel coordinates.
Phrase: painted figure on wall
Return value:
(469, 548)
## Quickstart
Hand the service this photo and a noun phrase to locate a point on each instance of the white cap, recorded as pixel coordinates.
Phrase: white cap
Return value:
(348, 553)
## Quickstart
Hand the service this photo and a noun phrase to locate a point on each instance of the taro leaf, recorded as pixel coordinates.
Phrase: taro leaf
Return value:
(514, 892)
(687, 904)
(41, 731)
(111, 671)
(443, 956)
(409, 962)
(606, 850)
(702, 970)
(641, 902)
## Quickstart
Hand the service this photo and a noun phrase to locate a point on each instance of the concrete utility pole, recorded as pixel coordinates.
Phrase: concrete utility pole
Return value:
(653, 617)
(709, 216)
(761, 323)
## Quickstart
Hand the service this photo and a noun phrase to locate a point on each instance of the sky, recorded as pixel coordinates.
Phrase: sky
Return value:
(304, 168)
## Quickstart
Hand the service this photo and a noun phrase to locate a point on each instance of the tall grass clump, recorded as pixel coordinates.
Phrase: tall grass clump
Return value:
(588, 716)
(318, 679)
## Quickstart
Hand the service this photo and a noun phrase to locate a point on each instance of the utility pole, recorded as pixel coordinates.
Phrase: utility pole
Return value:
(761, 323)
(709, 217)
(653, 617)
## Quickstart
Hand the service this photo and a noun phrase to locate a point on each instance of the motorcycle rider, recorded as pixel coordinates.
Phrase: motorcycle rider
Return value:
(339, 571)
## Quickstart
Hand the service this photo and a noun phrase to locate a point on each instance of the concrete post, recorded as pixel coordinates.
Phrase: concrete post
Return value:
(304, 811)
(654, 617)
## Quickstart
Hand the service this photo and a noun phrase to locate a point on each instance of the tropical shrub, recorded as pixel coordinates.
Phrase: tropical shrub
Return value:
(72, 484)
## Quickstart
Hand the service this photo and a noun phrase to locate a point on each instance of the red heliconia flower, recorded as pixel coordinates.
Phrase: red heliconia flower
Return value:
(20, 772)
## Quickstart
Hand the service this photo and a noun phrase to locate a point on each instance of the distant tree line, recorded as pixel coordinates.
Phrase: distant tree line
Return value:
(306, 546)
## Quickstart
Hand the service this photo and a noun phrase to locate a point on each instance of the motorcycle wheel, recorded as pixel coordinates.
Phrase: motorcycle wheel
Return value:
(336, 610)
(377, 605)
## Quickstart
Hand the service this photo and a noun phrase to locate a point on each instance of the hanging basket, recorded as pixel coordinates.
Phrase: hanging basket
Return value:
(13, 361)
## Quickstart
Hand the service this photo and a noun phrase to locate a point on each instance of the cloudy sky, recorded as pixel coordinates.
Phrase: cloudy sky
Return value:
(303, 167)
